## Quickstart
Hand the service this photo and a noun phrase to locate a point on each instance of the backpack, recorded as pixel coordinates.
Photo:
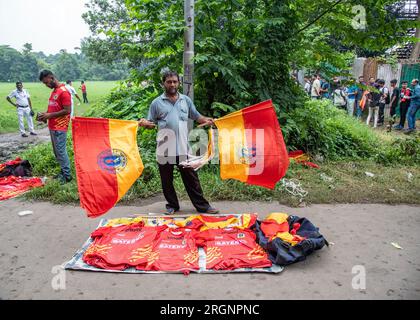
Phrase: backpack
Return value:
(283, 253)
(339, 98)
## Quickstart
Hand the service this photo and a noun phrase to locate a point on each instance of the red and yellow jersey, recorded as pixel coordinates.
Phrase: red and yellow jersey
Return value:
(276, 225)
(244, 221)
(118, 248)
(175, 249)
(59, 97)
(232, 248)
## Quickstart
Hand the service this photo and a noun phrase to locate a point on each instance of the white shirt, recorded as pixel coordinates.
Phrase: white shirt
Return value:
(316, 86)
(307, 87)
(384, 90)
(71, 90)
(21, 97)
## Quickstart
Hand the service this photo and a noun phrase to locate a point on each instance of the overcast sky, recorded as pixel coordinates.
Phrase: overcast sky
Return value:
(50, 25)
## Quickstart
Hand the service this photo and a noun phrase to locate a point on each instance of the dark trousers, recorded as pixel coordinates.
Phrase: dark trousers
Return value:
(393, 109)
(85, 100)
(403, 112)
(381, 113)
(191, 183)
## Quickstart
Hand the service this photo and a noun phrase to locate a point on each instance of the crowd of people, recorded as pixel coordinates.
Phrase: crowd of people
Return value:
(381, 101)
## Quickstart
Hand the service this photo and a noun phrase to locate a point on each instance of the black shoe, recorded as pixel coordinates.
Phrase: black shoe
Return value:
(24, 135)
(33, 134)
(409, 131)
(62, 179)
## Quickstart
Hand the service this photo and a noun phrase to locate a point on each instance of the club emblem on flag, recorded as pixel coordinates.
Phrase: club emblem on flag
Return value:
(247, 155)
(112, 161)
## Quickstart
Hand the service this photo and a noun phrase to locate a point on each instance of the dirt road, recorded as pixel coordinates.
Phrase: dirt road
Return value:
(13, 143)
(31, 246)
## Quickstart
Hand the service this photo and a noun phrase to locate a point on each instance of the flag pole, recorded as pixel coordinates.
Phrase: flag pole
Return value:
(188, 80)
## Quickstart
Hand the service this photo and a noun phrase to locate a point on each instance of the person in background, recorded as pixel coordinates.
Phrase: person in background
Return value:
(395, 97)
(339, 97)
(373, 102)
(325, 88)
(351, 96)
(84, 92)
(382, 101)
(316, 87)
(307, 86)
(23, 107)
(359, 96)
(336, 83)
(58, 117)
(414, 106)
(404, 104)
(73, 93)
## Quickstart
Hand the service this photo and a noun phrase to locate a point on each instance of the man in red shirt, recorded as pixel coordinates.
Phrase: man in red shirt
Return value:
(84, 92)
(58, 117)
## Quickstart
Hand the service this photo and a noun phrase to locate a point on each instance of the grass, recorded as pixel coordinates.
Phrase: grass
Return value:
(334, 182)
(40, 94)
(396, 172)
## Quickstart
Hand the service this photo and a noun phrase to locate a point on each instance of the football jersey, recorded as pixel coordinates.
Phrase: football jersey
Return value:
(59, 97)
(232, 248)
(118, 248)
(245, 221)
(174, 249)
(276, 225)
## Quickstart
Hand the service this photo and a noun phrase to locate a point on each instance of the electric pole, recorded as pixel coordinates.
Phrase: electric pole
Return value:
(188, 81)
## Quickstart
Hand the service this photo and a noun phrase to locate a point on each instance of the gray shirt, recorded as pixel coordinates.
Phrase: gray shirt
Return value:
(174, 119)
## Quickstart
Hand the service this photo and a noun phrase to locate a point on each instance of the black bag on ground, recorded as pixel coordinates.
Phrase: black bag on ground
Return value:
(21, 169)
(282, 253)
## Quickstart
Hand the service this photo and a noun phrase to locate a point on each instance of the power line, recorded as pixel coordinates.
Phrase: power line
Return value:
(320, 16)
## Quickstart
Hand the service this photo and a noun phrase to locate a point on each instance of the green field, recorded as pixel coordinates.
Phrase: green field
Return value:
(96, 90)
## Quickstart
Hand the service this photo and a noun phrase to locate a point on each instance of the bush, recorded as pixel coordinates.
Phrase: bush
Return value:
(402, 151)
(125, 103)
(319, 128)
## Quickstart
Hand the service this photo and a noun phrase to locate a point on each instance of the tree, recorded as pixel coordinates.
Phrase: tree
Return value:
(67, 67)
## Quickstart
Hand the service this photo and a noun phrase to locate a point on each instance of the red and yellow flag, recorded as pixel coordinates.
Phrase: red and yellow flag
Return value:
(107, 161)
(251, 146)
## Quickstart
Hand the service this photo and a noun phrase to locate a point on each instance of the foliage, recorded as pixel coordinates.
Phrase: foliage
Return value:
(16, 66)
(403, 151)
(25, 66)
(362, 27)
(319, 128)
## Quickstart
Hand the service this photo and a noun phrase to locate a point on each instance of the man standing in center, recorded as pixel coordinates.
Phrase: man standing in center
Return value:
(171, 112)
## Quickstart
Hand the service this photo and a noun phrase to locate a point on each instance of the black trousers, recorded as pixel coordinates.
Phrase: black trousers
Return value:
(191, 183)
(393, 109)
(85, 100)
(381, 113)
(403, 112)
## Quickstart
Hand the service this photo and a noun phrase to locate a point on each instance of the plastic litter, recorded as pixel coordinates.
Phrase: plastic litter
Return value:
(392, 190)
(294, 187)
(324, 177)
(410, 176)
(25, 213)
(369, 174)
(396, 245)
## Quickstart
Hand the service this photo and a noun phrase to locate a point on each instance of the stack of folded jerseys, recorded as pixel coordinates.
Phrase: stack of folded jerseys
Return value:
(173, 245)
